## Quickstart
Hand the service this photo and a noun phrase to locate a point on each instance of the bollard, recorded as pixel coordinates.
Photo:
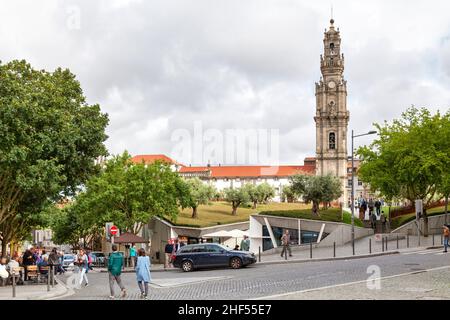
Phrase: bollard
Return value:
(386, 243)
(370, 246)
(14, 284)
(310, 250)
(407, 240)
(285, 253)
(53, 276)
(397, 241)
(382, 244)
(48, 279)
(334, 249)
(259, 254)
(433, 239)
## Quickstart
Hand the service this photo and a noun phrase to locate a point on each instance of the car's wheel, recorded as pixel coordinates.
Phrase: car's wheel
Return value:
(236, 263)
(187, 266)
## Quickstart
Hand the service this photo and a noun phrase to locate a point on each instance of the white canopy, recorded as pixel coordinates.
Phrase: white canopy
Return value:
(218, 234)
(236, 233)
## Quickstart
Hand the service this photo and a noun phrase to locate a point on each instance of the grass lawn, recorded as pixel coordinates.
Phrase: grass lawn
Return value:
(399, 221)
(220, 213)
(332, 214)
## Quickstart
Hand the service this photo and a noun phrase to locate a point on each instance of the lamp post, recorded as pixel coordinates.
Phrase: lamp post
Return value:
(353, 186)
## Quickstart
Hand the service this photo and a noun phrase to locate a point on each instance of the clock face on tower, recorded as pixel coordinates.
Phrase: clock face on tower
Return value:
(331, 85)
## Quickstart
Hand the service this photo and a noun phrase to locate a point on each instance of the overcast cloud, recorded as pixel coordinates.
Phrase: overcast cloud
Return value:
(158, 66)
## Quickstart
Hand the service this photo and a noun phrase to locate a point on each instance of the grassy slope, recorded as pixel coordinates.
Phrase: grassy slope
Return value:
(333, 215)
(220, 213)
(399, 221)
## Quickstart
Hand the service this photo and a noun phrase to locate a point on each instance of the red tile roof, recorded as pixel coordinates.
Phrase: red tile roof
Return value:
(251, 171)
(150, 158)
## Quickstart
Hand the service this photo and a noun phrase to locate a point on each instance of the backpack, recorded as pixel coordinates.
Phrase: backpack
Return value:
(89, 259)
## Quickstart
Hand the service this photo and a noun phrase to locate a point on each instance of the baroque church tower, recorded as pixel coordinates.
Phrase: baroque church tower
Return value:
(331, 112)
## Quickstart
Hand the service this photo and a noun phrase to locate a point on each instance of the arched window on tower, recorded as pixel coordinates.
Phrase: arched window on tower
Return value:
(332, 141)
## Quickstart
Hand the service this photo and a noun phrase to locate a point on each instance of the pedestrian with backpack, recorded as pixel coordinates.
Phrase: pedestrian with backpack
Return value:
(115, 265)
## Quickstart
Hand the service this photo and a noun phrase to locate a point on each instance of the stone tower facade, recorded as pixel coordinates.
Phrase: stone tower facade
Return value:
(331, 112)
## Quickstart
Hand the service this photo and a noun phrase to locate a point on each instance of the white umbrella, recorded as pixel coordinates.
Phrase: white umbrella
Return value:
(218, 234)
(236, 233)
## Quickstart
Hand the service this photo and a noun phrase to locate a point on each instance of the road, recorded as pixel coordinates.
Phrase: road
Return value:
(344, 279)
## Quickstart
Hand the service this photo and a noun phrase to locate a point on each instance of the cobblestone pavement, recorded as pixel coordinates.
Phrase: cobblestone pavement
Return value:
(430, 285)
(263, 280)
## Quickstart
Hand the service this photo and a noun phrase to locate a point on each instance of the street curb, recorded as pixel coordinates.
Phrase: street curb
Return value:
(362, 256)
(133, 271)
(53, 295)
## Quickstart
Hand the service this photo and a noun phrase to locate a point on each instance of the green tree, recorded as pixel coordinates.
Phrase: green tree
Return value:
(129, 194)
(253, 193)
(287, 194)
(410, 157)
(316, 189)
(49, 139)
(199, 193)
(261, 193)
(266, 192)
(236, 197)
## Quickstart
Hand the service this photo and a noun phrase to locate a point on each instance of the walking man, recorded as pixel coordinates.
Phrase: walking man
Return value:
(115, 265)
(285, 241)
(378, 207)
(446, 232)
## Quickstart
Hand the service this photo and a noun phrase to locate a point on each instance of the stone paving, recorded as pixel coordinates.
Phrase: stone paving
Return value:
(263, 280)
(431, 285)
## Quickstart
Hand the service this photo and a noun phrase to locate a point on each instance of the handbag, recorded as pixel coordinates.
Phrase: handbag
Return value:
(3, 273)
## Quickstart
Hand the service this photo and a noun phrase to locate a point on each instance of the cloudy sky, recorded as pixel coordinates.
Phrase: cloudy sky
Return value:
(159, 67)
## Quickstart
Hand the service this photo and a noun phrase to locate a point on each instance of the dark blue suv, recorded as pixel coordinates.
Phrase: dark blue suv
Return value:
(209, 255)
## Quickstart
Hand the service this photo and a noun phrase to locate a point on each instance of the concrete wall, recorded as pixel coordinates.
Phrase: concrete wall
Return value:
(337, 232)
(434, 225)
(343, 234)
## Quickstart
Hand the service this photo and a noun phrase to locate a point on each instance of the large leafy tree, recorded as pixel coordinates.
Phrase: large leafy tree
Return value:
(129, 194)
(49, 139)
(316, 189)
(199, 193)
(410, 157)
(236, 196)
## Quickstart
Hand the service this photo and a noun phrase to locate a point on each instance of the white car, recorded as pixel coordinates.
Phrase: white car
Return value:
(68, 261)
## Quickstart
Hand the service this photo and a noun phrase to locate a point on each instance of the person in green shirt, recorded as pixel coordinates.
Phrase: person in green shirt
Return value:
(115, 264)
(245, 244)
(133, 255)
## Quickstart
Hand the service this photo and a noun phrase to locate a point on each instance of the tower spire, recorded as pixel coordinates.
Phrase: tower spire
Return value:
(332, 19)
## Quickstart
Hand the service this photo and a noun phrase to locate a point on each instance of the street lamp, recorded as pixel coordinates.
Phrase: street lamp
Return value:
(353, 186)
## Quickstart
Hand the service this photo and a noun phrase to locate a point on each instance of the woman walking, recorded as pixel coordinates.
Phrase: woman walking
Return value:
(143, 272)
(84, 266)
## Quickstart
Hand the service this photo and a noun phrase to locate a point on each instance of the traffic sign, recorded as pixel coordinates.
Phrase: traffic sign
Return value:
(113, 230)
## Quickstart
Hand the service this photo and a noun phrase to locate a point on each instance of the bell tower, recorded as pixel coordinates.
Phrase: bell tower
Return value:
(331, 112)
